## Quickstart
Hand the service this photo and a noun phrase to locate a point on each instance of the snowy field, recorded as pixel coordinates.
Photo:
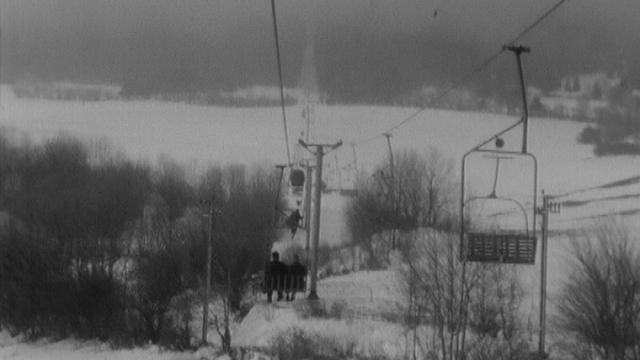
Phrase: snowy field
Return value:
(588, 187)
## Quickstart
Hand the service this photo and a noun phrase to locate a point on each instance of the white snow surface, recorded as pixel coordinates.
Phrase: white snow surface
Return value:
(590, 186)
(13, 348)
(359, 299)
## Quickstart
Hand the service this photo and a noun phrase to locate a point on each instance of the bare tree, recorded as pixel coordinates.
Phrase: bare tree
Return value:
(242, 234)
(417, 194)
(600, 302)
(440, 289)
(458, 310)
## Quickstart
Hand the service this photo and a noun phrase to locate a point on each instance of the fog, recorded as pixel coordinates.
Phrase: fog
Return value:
(361, 45)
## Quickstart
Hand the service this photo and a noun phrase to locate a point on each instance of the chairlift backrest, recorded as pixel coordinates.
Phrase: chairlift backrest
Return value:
(297, 177)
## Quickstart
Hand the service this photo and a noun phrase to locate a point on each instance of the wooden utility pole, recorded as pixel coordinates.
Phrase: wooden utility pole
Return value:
(307, 209)
(319, 153)
(392, 189)
(207, 287)
(547, 207)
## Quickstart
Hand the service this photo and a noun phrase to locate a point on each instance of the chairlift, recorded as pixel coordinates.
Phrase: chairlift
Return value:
(295, 197)
(486, 243)
(496, 242)
(296, 180)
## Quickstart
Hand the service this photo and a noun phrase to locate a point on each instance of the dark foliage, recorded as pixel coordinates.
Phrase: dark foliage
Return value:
(590, 135)
(243, 225)
(417, 195)
(600, 304)
(617, 126)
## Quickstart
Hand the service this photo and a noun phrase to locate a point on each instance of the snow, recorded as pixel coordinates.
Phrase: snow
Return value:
(13, 348)
(200, 135)
(359, 295)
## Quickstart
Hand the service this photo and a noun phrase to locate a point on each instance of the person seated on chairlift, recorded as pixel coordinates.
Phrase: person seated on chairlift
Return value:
(276, 274)
(297, 273)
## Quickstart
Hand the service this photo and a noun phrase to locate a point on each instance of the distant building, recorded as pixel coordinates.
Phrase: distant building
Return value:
(589, 85)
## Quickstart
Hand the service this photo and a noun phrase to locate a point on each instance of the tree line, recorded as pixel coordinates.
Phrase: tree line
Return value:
(94, 245)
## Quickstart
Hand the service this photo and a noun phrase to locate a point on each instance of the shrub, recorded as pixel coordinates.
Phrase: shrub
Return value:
(472, 303)
(616, 148)
(100, 302)
(600, 302)
(294, 344)
(37, 290)
(590, 135)
(160, 276)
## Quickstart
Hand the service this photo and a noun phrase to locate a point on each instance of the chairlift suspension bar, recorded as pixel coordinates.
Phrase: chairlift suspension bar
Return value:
(518, 50)
(495, 178)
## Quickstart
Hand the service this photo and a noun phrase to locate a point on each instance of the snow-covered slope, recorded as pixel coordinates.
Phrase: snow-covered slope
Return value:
(199, 135)
(588, 187)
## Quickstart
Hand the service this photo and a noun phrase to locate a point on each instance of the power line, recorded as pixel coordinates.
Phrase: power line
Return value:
(475, 71)
(282, 102)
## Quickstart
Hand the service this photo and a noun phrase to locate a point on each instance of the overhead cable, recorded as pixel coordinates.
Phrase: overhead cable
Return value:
(282, 99)
(469, 75)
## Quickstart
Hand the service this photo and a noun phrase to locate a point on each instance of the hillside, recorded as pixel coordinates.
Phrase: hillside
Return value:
(587, 187)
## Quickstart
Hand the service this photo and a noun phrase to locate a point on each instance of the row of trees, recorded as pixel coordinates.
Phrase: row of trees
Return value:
(453, 310)
(94, 245)
(418, 192)
(458, 310)
(617, 126)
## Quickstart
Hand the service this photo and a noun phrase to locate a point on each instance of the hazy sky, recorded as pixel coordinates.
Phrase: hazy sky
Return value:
(102, 38)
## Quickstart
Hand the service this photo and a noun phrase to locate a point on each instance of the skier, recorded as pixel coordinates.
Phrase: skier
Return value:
(293, 221)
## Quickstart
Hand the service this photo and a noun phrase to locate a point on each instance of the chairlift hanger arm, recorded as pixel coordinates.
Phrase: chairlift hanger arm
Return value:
(520, 206)
(494, 136)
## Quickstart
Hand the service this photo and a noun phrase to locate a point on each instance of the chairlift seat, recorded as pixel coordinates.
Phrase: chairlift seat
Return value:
(285, 283)
(508, 248)
(297, 178)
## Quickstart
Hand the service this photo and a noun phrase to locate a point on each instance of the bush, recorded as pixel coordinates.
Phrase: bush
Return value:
(600, 303)
(417, 195)
(100, 301)
(37, 290)
(590, 135)
(294, 344)
(475, 306)
(160, 276)
(617, 148)
(617, 125)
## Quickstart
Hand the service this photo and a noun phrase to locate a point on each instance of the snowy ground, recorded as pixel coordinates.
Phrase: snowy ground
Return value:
(356, 307)
(12, 348)
(588, 187)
